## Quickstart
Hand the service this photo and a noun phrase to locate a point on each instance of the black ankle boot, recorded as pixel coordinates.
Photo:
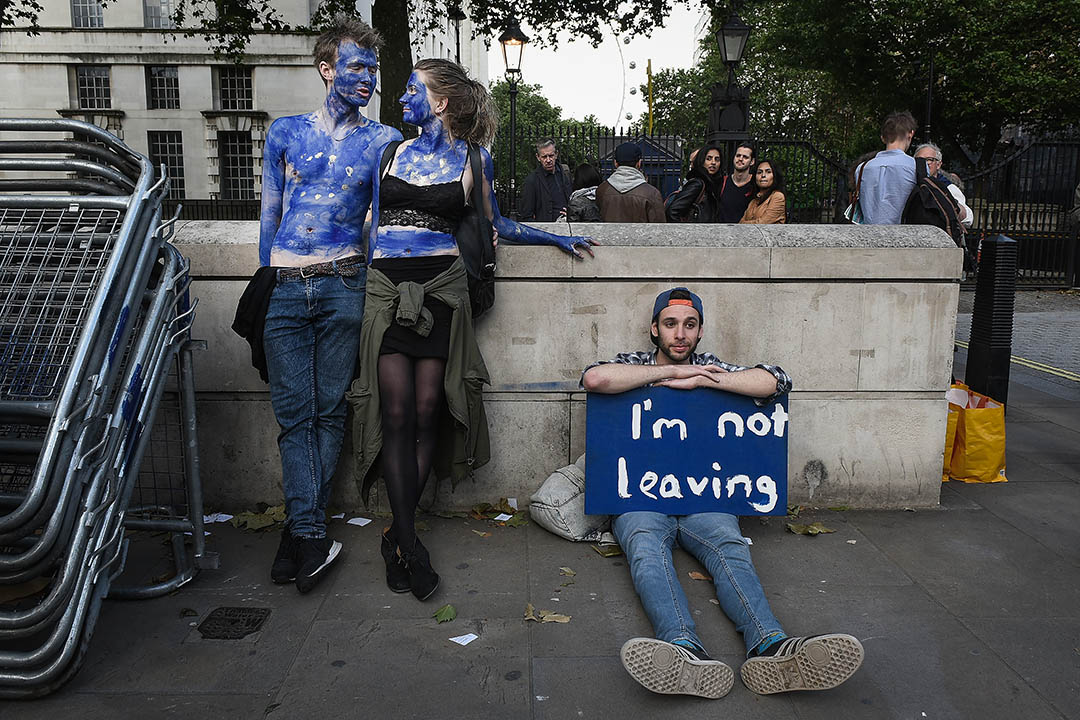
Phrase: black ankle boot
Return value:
(423, 580)
(397, 575)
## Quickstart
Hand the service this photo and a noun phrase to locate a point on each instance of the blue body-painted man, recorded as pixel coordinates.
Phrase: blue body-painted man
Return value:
(316, 191)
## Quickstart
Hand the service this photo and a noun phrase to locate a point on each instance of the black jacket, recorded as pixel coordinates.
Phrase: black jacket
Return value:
(691, 204)
(535, 198)
(250, 320)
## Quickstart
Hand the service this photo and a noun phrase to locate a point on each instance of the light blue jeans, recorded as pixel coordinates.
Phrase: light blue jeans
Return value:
(311, 338)
(715, 540)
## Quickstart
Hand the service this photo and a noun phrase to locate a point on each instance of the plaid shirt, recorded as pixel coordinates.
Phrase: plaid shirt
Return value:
(783, 381)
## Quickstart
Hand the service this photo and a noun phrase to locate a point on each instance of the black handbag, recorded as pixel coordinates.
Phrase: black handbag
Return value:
(474, 240)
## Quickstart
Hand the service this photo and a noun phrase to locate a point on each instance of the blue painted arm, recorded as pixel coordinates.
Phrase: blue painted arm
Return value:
(513, 233)
(273, 188)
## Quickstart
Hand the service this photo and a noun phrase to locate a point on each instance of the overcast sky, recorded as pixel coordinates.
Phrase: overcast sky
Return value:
(582, 79)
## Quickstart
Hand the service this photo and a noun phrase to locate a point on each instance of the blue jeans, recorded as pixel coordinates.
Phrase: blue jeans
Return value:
(715, 540)
(311, 338)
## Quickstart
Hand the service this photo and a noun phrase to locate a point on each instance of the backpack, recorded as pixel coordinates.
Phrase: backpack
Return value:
(474, 236)
(931, 203)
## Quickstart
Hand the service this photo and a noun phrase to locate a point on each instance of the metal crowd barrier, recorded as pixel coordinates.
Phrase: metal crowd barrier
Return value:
(94, 311)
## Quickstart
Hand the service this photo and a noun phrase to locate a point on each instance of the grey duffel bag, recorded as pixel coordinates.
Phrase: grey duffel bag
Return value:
(559, 506)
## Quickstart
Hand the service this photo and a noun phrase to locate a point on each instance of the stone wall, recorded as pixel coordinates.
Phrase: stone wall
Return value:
(862, 318)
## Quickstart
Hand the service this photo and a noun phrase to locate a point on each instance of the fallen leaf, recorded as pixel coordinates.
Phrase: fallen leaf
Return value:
(567, 572)
(519, 519)
(447, 514)
(446, 613)
(814, 528)
(260, 519)
(794, 510)
(530, 613)
(547, 616)
(695, 575)
(608, 550)
(482, 534)
(504, 506)
(568, 583)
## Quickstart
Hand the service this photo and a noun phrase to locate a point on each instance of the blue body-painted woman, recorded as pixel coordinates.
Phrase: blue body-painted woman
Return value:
(417, 204)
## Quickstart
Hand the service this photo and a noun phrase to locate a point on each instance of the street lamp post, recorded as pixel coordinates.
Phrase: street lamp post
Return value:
(456, 14)
(729, 110)
(513, 43)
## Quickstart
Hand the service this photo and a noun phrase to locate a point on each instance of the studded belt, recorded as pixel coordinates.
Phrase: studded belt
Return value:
(346, 267)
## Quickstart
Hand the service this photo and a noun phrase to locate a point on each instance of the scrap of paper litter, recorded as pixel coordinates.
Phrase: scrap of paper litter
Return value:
(358, 521)
(512, 502)
(216, 518)
(502, 517)
(339, 516)
(464, 639)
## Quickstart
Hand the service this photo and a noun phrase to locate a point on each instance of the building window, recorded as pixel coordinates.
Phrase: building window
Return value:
(92, 87)
(162, 88)
(237, 166)
(233, 87)
(158, 14)
(86, 14)
(167, 148)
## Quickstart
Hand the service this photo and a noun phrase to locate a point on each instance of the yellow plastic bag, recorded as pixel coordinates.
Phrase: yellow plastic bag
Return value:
(978, 447)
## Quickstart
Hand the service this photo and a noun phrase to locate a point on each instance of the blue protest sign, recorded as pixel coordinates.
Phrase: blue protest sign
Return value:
(685, 451)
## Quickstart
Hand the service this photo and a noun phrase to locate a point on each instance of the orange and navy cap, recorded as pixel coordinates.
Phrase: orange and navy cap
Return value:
(677, 296)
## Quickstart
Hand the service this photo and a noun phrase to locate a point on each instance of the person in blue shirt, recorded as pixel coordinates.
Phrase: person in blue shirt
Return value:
(886, 180)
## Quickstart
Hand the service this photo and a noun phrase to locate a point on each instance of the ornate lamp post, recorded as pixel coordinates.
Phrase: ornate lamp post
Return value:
(729, 105)
(513, 43)
(456, 14)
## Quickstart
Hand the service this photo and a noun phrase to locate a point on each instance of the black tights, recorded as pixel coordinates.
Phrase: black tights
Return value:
(410, 394)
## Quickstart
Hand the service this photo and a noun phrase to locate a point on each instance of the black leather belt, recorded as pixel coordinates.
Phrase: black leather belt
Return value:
(346, 267)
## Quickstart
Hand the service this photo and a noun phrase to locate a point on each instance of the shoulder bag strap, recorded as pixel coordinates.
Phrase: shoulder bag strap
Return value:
(858, 181)
(477, 194)
(388, 156)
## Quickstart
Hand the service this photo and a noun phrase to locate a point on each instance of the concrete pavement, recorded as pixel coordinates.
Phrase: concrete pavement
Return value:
(968, 611)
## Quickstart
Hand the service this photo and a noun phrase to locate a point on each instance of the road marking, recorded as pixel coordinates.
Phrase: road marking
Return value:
(1035, 365)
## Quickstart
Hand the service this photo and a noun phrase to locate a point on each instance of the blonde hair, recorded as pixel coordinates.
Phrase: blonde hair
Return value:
(470, 111)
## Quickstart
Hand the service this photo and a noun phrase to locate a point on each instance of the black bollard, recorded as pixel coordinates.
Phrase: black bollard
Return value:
(990, 345)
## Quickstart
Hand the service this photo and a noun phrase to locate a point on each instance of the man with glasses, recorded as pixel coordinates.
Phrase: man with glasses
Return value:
(932, 154)
(547, 188)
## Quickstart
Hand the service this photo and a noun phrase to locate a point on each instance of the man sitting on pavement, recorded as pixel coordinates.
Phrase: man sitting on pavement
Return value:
(626, 196)
(675, 661)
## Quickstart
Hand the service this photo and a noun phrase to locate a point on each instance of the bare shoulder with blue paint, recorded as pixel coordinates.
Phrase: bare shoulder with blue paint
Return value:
(317, 188)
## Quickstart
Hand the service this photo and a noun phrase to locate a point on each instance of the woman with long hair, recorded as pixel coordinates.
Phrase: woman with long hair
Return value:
(698, 200)
(417, 347)
(582, 206)
(768, 205)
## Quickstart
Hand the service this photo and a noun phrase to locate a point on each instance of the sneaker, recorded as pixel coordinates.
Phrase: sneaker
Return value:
(314, 555)
(816, 662)
(674, 670)
(284, 568)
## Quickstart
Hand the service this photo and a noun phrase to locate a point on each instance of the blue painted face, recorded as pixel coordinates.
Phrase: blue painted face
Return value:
(415, 104)
(355, 74)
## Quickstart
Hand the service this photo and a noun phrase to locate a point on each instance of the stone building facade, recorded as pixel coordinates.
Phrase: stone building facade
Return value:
(167, 96)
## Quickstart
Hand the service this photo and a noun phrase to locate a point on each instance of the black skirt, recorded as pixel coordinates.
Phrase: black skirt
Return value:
(399, 339)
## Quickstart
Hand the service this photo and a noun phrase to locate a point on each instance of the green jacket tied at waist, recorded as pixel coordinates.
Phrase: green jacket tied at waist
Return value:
(463, 443)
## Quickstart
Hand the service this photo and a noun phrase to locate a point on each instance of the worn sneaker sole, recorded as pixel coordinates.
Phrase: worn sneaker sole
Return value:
(304, 583)
(659, 667)
(821, 663)
(278, 578)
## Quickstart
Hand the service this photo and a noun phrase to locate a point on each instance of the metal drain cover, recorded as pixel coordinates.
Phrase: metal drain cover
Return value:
(233, 623)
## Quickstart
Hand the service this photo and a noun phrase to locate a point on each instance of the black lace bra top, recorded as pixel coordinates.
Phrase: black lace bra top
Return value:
(436, 207)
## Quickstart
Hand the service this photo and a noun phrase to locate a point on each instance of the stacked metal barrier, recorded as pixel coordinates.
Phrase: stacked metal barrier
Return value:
(94, 311)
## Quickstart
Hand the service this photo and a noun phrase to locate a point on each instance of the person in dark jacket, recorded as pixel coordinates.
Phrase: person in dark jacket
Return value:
(698, 200)
(582, 206)
(627, 196)
(546, 191)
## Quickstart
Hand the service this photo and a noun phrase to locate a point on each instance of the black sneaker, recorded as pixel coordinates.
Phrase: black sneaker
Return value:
(284, 568)
(816, 662)
(314, 556)
(674, 670)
